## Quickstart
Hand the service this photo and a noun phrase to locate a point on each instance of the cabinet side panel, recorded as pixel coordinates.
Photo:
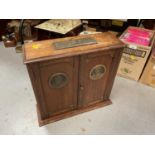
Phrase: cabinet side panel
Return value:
(33, 71)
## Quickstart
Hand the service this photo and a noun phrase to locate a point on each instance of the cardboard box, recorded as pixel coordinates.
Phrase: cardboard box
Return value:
(135, 55)
(148, 76)
(117, 23)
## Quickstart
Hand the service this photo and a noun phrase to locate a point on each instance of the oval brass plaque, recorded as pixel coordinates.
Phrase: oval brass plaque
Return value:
(58, 80)
(97, 72)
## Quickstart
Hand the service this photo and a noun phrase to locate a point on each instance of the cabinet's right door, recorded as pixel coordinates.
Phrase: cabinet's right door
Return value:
(93, 77)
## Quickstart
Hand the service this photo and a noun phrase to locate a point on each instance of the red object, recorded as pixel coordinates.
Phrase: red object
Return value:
(139, 32)
(137, 39)
(138, 36)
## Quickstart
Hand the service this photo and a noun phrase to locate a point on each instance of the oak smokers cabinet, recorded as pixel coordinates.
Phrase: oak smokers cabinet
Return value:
(72, 75)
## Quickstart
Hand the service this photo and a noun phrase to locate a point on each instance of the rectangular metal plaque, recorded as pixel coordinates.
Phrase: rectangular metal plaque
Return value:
(74, 43)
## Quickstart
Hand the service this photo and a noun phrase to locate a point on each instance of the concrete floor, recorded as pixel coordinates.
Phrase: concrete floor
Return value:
(132, 111)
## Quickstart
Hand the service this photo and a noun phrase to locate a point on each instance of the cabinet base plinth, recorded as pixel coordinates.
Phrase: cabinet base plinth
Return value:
(70, 113)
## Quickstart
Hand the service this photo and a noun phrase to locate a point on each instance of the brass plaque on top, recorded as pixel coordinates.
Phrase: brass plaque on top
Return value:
(74, 43)
(58, 80)
(97, 72)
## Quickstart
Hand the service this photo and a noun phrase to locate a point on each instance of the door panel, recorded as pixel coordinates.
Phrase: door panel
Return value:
(59, 82)
(94, 71)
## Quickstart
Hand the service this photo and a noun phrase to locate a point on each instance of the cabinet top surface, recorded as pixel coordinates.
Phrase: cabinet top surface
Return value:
(46, 50)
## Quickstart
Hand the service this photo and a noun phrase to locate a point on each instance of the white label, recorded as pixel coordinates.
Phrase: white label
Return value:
(133, 47)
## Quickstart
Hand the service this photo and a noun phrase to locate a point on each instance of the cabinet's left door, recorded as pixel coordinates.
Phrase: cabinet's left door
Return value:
(59, 84)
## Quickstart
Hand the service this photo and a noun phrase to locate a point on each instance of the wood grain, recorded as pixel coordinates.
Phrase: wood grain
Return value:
(93, 90)
(60, 99)
(44, 50)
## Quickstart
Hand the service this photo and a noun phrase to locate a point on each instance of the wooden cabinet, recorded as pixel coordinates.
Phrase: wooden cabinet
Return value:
(71, 80)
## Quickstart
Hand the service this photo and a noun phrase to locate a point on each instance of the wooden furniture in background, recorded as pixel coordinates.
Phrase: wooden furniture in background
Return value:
(3, 27)
(58, 28)
(69, 81)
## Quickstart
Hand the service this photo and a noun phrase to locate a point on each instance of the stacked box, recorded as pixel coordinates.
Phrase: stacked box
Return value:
(139, 42)
(148, 76)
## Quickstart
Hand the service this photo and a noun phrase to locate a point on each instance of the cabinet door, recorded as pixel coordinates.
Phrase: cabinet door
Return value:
(93, 77)
(59, 84)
